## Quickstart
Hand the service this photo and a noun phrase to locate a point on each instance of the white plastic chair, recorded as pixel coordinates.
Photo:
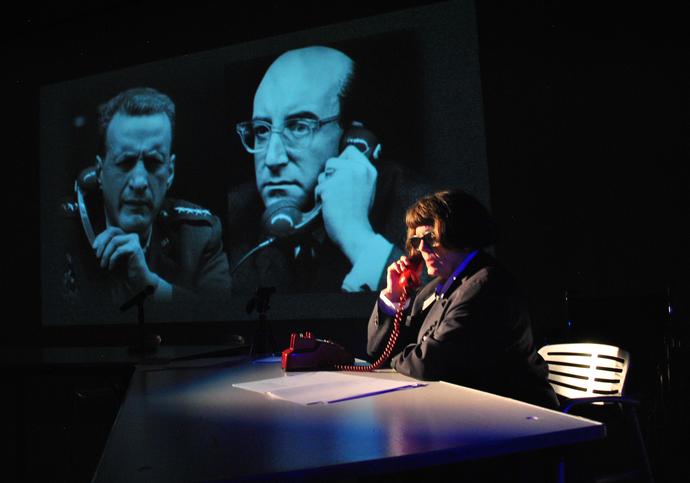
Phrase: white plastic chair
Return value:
(595, 374)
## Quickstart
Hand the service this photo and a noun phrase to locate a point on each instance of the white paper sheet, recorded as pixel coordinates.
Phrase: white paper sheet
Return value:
(324, 387)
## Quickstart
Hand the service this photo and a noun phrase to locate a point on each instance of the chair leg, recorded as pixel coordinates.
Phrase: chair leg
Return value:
(646, 466)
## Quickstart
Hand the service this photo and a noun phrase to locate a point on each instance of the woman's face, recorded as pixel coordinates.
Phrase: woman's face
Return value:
(439, 260)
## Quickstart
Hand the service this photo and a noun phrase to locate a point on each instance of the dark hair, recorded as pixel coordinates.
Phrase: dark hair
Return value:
(460, 221)
(138, 101)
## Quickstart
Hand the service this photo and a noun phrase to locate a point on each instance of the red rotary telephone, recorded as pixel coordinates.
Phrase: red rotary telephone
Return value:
(308, 353)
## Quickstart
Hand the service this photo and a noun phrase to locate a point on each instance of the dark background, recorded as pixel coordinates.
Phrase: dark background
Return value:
(586, 114)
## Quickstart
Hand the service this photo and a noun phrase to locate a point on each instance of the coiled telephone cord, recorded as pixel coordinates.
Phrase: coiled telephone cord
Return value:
(389, 346)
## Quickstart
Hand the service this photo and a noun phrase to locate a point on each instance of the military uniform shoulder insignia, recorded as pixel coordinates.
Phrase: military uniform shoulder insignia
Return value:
(182, 210)
(185, 210)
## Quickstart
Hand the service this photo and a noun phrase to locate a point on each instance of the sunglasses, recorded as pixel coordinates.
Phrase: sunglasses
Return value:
(429, 238)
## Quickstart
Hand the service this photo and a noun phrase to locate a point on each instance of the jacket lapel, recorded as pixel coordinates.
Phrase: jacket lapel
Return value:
(434, 312)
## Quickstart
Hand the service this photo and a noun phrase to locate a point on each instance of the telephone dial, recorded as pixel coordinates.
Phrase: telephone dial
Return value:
(283, 218)
(307, 353)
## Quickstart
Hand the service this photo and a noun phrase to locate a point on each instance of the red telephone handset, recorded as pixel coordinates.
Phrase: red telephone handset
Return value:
(410, 277)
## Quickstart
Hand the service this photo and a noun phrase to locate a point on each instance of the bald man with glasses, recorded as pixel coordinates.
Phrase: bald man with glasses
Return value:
(300, 114)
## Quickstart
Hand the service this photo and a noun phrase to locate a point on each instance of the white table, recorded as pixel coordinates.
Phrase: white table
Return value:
(185, 422)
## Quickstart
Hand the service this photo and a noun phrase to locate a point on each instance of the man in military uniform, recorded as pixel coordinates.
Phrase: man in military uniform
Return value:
(136, 239)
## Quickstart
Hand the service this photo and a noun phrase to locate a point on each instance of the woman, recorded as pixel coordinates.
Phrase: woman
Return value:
(470, 324)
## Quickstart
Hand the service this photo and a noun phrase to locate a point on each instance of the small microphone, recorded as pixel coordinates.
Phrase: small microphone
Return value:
(281, 217)
(138, 298)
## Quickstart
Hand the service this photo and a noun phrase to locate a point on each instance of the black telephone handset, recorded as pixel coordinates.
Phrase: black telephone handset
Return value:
(86, 187)
(307, 353)
(284, 219)
(86, 182)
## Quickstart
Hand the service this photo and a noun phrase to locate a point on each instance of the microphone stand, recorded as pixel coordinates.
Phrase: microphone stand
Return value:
(145, 343)
(263, 341)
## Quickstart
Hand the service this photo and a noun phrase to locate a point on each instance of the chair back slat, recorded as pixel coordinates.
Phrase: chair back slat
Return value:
(585, 370)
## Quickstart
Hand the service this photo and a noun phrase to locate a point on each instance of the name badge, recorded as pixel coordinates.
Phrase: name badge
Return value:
(430, 300)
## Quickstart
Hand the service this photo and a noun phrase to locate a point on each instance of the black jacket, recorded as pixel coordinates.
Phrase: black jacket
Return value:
(478, 335)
